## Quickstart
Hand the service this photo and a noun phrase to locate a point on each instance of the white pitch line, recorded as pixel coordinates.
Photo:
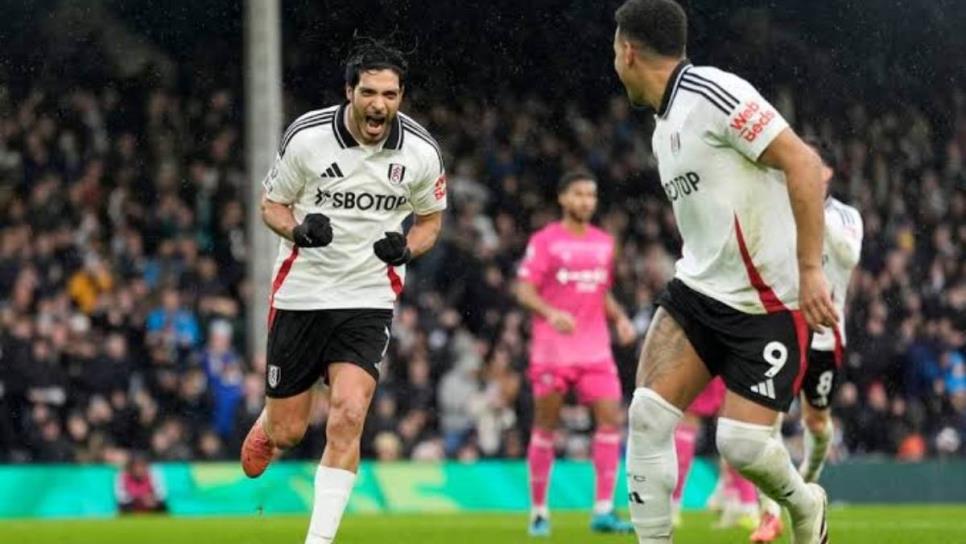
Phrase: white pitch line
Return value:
(892, 525)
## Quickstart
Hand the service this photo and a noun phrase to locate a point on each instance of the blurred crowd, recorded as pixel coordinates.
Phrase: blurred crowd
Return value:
(123, 290)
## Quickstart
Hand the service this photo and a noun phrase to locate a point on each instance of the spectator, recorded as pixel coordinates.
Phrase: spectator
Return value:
(223, 370)
(125, 190)
(139, 488)
(171, 324)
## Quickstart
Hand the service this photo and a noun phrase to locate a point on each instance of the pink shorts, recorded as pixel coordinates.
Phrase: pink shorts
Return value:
(709, 401)
(593, 382)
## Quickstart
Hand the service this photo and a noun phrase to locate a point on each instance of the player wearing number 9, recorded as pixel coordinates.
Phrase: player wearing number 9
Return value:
(750, 272)
(841, 250)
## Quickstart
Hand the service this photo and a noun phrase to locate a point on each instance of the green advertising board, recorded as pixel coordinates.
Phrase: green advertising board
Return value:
(200, 489)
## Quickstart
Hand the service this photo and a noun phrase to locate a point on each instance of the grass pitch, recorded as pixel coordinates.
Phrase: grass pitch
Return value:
(850, 525)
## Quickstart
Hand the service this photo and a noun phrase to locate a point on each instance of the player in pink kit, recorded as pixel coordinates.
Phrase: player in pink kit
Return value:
(565, 280)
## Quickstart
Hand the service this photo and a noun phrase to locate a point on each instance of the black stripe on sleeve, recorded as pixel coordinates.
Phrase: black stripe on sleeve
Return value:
(295, 129)
(697, 83)
(428, 140)
(416, 127)
(846, 220)
(304, 120)
(706, 95)
(715, 84)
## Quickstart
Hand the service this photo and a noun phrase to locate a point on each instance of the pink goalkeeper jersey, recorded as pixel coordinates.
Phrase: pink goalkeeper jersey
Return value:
(572, 273)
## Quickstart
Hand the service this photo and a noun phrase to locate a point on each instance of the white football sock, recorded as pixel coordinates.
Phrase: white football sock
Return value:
(816, 451)
(652, 467)
(754, 452)
(332, 489)
(767, 504)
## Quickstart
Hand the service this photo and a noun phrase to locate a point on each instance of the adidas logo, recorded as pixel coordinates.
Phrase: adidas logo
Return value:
(333, 172)
(765, 388)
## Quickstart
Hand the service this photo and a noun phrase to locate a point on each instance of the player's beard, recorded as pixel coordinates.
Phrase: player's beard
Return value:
(578, 217)
(362, 119)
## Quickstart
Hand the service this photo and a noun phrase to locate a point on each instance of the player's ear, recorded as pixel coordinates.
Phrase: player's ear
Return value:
(629, 52)
(348, 93)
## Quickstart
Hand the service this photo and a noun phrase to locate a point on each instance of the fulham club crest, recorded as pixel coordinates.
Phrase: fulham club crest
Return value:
(274, 374)
(396, 173)
(675, 142)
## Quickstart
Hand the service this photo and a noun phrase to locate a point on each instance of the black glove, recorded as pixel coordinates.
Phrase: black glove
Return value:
(315, 231)
(392, 249)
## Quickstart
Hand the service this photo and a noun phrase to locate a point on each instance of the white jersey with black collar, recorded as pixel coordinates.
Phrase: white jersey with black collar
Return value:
(366, 191)
(733, 213)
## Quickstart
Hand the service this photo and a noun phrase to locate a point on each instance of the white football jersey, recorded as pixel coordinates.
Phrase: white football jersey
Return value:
(365, 191)
(733, 213)
(840, 255)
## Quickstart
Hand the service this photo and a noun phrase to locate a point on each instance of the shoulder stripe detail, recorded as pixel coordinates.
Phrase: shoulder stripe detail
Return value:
(856, 216)
(408, 121)
(428, 140)
(715, 84)
(298, 127)
(305, 119)
(416, 129)
(726, 99)
(285, 143)
(842, 216)
(849, 215)
(706, 95)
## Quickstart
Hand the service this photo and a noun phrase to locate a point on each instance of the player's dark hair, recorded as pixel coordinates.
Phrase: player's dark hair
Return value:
(573, 176)
(370, 54)
(823, 149)
(659, 25)
(827, 155)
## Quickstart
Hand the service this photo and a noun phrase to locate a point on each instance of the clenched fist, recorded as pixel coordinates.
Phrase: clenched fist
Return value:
(392, 249)
(314, 231)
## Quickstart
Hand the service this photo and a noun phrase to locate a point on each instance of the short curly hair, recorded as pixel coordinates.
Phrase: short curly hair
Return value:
(370, 54)
(660, 25)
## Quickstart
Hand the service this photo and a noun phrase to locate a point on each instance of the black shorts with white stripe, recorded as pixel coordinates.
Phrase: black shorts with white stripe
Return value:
(303, 343)
(822, 378)
(759, 356)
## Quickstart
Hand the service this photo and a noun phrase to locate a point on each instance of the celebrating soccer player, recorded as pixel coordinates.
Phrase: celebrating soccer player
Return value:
(344, 180)
(843, 246)
(747, 196)
(565, 279)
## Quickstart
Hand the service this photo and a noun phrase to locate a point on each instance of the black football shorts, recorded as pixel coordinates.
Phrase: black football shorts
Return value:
(759, 356)
(302, 344)
(822, 377)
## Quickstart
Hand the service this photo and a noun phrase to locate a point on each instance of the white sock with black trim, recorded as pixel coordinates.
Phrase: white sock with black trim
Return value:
(652, 467)
(754, 452)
